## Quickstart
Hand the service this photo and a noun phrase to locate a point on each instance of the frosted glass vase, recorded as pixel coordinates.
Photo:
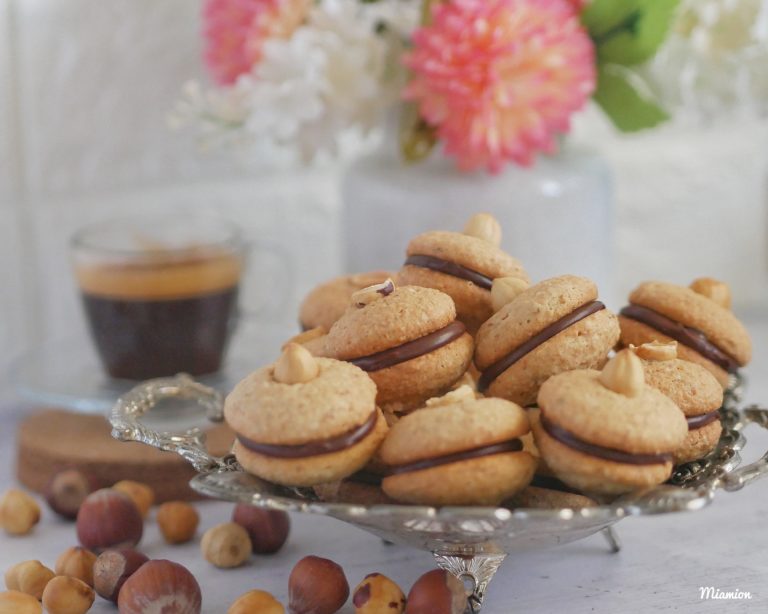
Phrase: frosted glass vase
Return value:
(557, 217)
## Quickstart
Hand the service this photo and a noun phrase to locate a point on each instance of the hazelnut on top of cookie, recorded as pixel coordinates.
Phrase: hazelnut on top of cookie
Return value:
(698, 317)
(693, 389)
(554, 326)
(305, 420)
(463, 265)
(407, 339)
(608, 431)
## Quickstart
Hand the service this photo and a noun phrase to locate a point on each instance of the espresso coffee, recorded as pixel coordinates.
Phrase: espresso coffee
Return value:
(161, 316)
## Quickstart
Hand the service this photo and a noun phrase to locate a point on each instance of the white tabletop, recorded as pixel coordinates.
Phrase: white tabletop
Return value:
(664, 561)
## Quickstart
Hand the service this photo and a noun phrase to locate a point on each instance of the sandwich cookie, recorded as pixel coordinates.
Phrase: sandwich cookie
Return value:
(549, 493)
(407, 339)
(554, 326)
(693, 389)
(465, 452)
(463, 265)
(698, 318)
(305, 420)
(608, 432)
(327, 302)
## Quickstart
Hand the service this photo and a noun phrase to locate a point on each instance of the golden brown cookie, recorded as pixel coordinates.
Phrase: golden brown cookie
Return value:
(327, 302)
(693, 389)
(608, 432)
(463, 265)
(305, 420)
(550, 494)
(698, 318)
(465, 453)
(408, 341)
(554, 326)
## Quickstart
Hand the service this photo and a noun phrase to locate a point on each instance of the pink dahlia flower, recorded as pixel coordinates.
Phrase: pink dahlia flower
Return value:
(234, 31)
(499, 79)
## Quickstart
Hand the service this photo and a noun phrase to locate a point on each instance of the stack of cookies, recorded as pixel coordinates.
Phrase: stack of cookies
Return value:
(456, 381)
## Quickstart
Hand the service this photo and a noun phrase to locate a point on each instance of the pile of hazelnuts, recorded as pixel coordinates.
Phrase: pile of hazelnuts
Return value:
(110, 524)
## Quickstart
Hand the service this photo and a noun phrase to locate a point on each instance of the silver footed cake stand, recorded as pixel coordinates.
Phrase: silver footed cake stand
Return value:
(469, 542)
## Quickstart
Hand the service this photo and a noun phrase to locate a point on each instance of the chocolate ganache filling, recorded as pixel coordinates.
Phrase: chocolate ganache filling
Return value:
(497, 368)
(410, 349)
(618, 456)
(690, 337)
(450, 268)
(313, 448)
(515, 445)
(698, 422)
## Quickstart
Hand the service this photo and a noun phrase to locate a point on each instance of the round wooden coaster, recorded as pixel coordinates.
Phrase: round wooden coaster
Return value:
(54, 439)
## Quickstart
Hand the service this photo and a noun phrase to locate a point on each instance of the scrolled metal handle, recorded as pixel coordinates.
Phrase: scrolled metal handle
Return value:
(126, 415)
(739, 478)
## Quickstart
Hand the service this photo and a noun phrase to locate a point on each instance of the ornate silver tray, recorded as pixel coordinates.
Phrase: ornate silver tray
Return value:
(470, 542)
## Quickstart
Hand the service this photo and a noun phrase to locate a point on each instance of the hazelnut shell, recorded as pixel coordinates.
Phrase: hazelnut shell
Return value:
(317, 586)
(437, 591)
(268, 529)
(113, 568)
(162, 584)
(109, 519)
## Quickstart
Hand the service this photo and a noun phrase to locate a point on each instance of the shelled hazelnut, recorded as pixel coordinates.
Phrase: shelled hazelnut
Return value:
(141, 494)
(317, 586)
(109, 519)
(67, 490)
(377, 594)
(167, 586)
(226, 545)
(177, 521)
(65, 595)
(29, 577)
(18, 512)
(256, 602)
(437, 591)
(76, 562)
(15, 602)
(268, 529)
(113, 568)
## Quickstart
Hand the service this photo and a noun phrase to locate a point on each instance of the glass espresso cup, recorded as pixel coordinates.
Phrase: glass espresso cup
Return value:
(160, 293)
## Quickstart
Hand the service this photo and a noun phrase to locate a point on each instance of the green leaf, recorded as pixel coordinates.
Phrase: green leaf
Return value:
(601, 17)
(620, 94)
(640, 39)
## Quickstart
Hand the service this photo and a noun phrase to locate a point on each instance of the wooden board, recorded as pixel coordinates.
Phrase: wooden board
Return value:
(53, 439)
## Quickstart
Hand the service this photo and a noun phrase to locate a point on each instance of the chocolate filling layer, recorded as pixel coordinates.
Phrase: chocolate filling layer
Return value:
(497, 368)
(697, 422)
(617, 456)
(410, 349)
(514, 445)
(450, 268)
(690, 337)
(314, 448)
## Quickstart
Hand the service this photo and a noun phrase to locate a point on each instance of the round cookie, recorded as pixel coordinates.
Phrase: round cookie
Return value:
(305, 420)
(460, 453)
(608, 432)
(693, 389)
(327, 302)
(463, 265)
(698, 318)
(554, 326)
(408, 341)
(550, 494)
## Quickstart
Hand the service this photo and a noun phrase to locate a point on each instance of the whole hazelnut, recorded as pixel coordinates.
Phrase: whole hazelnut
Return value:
(377, 594)
(65, 595)
(437, 591)
(160, 586)
(177, 521)
(18, 512)
(15, 602)
(256, 602)
(77, 563)
(226, 545)
(142, 495)
(268, 529)
(29, 577)
(67, 490)
(624, 374)
(113, 568)
(109, 519)
(317, 586)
